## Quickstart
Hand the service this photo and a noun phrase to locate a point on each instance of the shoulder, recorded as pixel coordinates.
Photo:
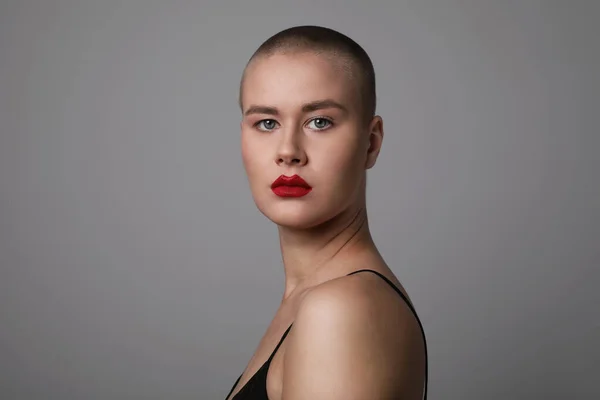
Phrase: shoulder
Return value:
(360, 299)
(353, 337)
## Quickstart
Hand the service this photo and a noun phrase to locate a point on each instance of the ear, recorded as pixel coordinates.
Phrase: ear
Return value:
(375, 141)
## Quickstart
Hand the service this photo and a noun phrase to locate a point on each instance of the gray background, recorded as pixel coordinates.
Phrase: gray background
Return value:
(134, 264)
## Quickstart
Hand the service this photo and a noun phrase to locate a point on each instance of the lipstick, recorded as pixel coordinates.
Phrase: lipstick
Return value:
(290, 186)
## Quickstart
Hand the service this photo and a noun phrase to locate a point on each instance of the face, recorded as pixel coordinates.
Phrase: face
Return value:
(302, 117)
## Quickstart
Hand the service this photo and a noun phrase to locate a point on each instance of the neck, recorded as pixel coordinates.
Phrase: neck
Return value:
(311, 255)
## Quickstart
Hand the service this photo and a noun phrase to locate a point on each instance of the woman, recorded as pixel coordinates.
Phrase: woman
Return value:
(345, 328)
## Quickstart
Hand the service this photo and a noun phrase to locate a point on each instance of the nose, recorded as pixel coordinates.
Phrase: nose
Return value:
(290, 150)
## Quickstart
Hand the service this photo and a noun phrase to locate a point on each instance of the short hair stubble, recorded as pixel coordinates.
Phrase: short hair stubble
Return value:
(322, 40)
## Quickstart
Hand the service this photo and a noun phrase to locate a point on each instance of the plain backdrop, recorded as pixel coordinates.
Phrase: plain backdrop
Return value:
(134, 264)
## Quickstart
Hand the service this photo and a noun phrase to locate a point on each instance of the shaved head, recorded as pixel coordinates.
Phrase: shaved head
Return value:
(339, 48)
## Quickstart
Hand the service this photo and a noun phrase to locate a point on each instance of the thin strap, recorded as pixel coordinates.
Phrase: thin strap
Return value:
(412, 308)
(279, 344)
(233, 387)
(265, 365)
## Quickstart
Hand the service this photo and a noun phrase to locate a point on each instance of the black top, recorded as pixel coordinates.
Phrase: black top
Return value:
(256, 387)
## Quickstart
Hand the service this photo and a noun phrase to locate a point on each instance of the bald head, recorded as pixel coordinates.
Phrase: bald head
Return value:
(331, 44)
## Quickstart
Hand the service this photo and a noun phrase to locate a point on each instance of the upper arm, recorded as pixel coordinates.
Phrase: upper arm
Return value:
(351, 342)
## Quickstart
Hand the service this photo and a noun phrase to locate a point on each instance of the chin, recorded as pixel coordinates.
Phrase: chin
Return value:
(294, 214)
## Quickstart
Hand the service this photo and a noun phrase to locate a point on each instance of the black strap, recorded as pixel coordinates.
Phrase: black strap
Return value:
(233, 387)
(265, 365)
(279, 344)
(412, 308)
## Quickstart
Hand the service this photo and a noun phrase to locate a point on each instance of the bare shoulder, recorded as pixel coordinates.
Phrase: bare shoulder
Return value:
(354, 338)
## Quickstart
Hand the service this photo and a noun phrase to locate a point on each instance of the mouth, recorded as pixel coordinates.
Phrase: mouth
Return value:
(290, 186)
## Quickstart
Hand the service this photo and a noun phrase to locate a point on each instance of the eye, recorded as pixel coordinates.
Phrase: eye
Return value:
(266, 125)
(319, 124)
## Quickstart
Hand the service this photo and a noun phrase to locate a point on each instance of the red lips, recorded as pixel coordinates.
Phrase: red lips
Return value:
(290, 186)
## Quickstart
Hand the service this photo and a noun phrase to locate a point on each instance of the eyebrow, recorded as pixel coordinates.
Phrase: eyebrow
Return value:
(308, 107)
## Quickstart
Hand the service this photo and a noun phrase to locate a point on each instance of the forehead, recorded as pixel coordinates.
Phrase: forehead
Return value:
(288, 81)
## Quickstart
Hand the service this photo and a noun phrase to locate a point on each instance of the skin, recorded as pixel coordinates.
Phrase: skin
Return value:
(352, 337)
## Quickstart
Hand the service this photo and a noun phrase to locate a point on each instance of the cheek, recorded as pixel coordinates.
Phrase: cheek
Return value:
(246, 154)
(247, 151)
(253, 157)
(340, 170)
(345, 162)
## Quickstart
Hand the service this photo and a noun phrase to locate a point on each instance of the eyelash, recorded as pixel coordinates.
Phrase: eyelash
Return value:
(329, 122)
